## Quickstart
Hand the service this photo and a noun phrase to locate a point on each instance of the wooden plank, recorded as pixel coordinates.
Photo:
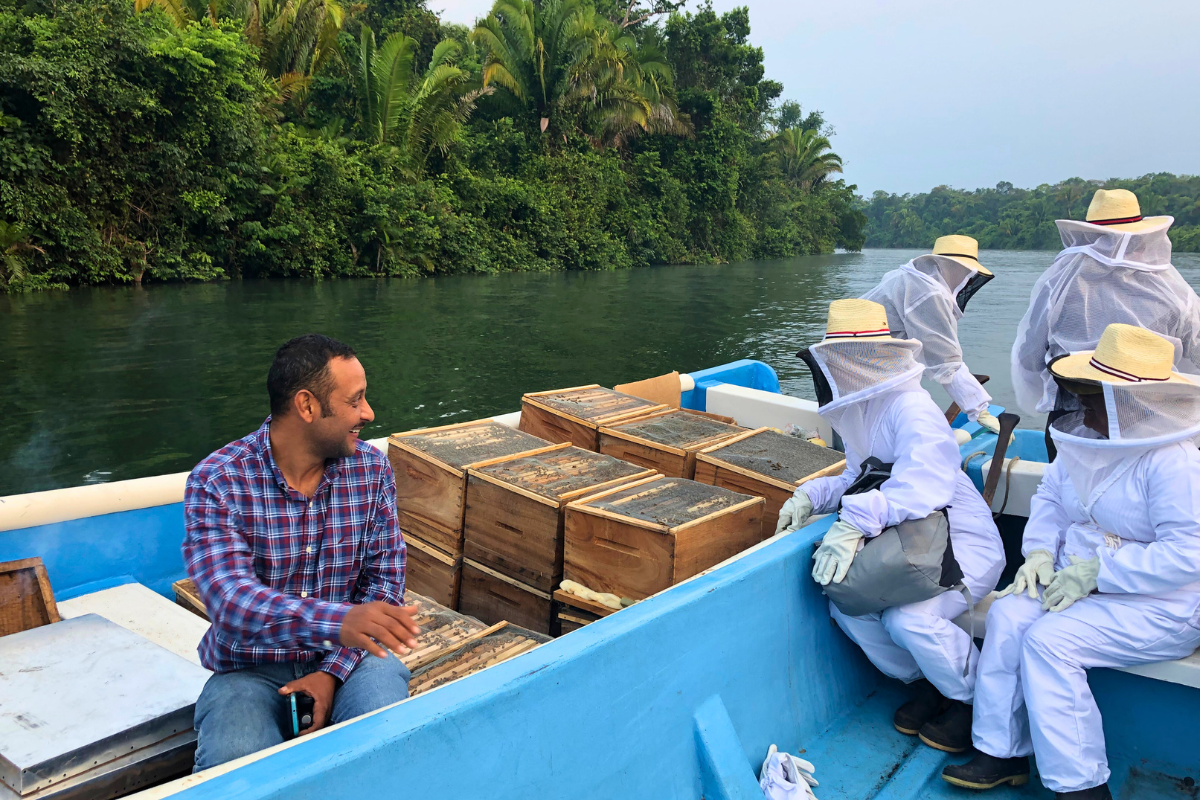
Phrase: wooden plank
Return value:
(492, 597)
(670, 502)
(26, 599)
(716, 538)
(578, 602)
(554, 426)
(447, 541)
(595, 404)
(428, 493)
(433, 573)
(669, 461)
(513, 522)
(748, 483)
(788, 459)
(188, 596)
(607, 555)
(466, 444)
(431, 648)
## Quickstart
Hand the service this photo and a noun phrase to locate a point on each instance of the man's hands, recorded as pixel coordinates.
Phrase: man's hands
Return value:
(370, 625)
(320, 686)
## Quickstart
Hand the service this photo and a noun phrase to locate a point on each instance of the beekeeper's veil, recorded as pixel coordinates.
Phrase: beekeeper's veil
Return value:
(859, 360)
(1148, 405)
(1115, 267)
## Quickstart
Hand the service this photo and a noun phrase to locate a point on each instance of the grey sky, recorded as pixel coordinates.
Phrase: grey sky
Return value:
(929, 92)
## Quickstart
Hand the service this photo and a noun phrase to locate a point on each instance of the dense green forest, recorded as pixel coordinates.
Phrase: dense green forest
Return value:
(1023, 219)
(212, 139)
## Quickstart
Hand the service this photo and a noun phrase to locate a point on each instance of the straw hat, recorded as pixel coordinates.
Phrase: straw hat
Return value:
(1119, 209)
(1124, 354)
(857, 319)
(962, 249)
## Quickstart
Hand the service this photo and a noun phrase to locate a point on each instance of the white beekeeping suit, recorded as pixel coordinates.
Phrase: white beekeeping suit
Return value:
(1118, 513)
(880, 409)
(1107, 272)
(924, 300)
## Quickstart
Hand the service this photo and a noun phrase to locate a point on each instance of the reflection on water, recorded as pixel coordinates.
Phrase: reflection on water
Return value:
(116, 383)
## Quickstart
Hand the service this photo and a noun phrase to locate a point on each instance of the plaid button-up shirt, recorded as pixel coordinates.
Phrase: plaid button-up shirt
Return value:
(277, 570)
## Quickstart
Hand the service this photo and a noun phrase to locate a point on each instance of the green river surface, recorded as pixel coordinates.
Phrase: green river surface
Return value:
(104, 384)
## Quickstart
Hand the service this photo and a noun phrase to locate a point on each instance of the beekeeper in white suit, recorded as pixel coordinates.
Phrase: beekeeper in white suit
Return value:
(1113, 544)
(879, 409)
(924, 300)
(1114, 267)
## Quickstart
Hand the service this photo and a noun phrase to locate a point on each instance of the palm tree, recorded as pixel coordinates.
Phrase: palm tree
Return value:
(294, 38)
(14, 240)
(560, 55)
(417, 114)
(807, 157)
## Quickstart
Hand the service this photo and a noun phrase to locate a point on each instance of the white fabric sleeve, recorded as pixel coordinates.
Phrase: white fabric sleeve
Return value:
(1172, 560)
(1030, 348)
(824, 493)
(968, 393)
(924, 475)
(1048, 521)
(931, 321)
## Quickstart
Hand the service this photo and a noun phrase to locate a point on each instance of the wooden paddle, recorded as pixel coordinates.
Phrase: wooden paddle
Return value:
(953, 411)
(1008, 423)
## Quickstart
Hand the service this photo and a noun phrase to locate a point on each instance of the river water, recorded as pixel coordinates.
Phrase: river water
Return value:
(113, 383)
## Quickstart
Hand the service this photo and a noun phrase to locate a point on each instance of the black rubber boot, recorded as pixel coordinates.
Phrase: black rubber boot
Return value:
(950, 730)
(926, 704)
(988, 772)
(1100, 792)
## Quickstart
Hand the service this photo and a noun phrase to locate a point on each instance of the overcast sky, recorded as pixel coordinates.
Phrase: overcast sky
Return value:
(969, 93)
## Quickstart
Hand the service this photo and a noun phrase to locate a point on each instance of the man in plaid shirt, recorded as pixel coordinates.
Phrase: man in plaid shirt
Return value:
(293, 543)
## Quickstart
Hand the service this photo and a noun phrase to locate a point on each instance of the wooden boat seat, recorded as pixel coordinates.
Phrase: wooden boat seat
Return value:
(1184, 671)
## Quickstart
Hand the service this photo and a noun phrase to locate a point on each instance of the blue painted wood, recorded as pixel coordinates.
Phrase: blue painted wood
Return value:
(143, 545)
(725, 774)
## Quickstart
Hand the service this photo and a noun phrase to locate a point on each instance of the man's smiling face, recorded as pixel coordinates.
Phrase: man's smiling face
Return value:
(346, 411)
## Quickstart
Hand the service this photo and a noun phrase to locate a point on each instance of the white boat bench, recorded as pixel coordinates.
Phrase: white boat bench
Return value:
(1184, 671)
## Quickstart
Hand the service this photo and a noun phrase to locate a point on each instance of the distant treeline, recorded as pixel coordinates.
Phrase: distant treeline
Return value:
(1008, 218)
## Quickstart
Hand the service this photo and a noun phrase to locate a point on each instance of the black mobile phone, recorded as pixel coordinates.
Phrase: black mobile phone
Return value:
(301, 707)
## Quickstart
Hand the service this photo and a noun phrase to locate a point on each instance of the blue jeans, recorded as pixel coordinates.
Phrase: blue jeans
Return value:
(242, 712)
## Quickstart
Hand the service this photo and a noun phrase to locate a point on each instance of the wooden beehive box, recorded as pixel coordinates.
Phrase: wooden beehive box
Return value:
(768, 464)
(431, 474)
(667, 441)
(492, 597)
(575, 415)
(573, 612)
(641, 538)
(432, 573)
(513, 522)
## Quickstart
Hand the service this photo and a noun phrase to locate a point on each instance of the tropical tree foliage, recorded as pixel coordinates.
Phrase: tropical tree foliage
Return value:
(807, 157)
(1009, 218)
(152, 145)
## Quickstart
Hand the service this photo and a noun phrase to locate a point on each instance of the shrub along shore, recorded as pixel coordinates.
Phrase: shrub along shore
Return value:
(197, 140)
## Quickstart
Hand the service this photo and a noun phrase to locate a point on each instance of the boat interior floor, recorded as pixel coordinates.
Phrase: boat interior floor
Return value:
(862, 757)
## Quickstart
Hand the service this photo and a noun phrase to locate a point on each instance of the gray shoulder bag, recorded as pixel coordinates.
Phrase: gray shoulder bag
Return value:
(907, 563)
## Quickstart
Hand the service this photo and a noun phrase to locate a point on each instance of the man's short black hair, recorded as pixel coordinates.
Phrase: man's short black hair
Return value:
(303, 363)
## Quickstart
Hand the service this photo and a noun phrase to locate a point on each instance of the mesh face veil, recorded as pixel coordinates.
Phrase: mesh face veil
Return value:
(1141, 417)
(858, 371)
(1101, 277)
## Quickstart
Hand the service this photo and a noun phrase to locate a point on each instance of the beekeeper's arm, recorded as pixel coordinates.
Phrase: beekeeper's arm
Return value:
(1029, 372)
(824, 493)
(923, 476)
(1048, 520)
(935, 325)
(1171, 478)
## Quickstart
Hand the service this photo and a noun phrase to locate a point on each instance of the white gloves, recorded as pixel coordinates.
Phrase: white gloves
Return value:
(988, 421)
(795, 512)
(1038, 568)
(786, 777)
(1071, 583)
(836, 552)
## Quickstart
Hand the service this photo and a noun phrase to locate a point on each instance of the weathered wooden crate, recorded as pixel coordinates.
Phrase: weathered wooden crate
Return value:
(667, 441)
(432, 573)
(641, 538)
(188, 596)
(492, 597)
(26, 599)
(573, 612)
(513, 523)
(575, 415)
(431, 474)
(768, 464)
(481, 650)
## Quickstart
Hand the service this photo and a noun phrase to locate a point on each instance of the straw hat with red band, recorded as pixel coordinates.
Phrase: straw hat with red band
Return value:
(857, 320)
(1125, 354)
(1119, 210)
(962, 249)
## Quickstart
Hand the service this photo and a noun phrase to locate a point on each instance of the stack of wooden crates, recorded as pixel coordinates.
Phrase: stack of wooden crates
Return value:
(431, 481)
